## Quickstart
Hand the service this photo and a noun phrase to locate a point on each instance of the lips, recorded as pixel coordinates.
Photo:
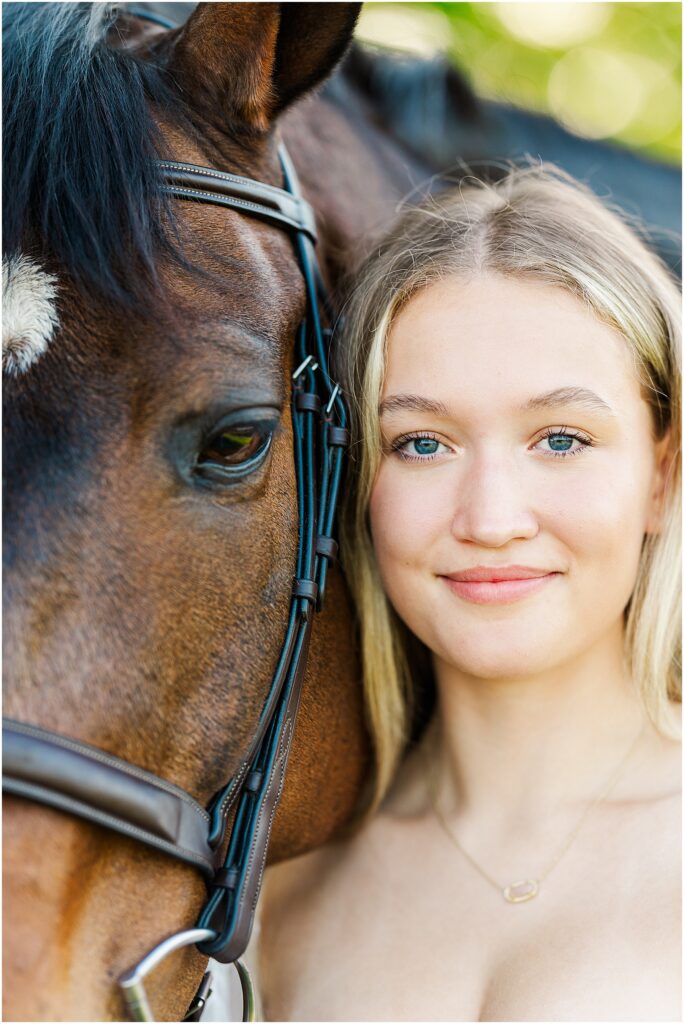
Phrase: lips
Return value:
(498, 584)
(497, 574)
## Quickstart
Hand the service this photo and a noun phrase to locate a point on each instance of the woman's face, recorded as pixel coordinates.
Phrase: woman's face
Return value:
(518, 478)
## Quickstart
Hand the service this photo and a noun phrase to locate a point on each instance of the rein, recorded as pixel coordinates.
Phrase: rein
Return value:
(74, 777)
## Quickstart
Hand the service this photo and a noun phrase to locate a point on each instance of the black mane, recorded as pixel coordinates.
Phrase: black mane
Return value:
(80, 185)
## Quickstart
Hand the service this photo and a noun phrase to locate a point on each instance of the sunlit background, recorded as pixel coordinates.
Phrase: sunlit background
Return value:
(604, 70)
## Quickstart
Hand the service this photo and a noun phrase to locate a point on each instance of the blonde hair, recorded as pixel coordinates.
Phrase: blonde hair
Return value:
(537, 222)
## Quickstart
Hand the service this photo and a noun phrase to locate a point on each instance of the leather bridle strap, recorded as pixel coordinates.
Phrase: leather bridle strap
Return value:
(251, 197)
(72, 776)
(319, 437)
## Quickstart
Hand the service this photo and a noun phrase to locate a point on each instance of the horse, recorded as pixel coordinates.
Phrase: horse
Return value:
(145, 602)
(146, 597)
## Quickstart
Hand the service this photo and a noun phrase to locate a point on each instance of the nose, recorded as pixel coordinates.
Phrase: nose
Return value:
(492, 503)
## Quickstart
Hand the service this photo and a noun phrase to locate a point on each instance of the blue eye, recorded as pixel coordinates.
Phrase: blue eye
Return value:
(425, 445)
(561, 443)
(420, 448)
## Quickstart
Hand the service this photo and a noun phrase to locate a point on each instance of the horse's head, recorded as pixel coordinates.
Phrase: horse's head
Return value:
(151, 510)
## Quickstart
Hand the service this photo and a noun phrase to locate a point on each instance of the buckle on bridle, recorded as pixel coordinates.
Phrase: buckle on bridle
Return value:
(132, 982)
(303, 365)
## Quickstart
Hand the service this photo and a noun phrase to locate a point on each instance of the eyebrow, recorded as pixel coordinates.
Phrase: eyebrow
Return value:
(415, 403)
(560, 396)
(568, 396)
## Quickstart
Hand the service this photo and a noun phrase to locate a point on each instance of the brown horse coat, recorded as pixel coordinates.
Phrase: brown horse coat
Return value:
(144, 613)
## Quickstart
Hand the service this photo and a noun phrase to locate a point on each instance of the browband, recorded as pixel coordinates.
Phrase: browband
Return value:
(188, 181)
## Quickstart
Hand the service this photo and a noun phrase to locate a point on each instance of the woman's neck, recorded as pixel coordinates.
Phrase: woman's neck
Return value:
(521, 749)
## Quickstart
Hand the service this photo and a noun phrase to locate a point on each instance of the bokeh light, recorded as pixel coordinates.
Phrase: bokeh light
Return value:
(583, 74)
(554, 25)
(604, 70)
(405, 27)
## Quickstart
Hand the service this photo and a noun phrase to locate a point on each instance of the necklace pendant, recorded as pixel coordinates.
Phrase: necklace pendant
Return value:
(521, 892)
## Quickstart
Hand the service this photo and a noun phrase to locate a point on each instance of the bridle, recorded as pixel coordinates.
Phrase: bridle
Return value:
(72, 776)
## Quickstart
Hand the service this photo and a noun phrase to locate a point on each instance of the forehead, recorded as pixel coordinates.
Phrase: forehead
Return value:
(249, 267)
(235, 322)
(232, 318)
(500, 337)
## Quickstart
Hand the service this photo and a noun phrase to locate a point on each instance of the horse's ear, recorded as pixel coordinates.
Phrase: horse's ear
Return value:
(248, 61)
(311, 40)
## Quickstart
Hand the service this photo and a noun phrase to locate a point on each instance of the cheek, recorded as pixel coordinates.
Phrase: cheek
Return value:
(403, 522)
(600, 519)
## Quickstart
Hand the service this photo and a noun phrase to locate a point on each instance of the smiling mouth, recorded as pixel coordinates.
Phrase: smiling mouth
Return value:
(498, 591)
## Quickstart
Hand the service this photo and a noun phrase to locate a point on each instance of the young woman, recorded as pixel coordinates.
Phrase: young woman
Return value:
(512, 543)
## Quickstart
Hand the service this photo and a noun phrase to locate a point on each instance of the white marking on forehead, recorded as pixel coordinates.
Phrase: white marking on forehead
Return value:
(29, 313)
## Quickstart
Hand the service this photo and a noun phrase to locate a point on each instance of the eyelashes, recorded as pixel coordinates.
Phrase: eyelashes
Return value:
(564, 434)
(424, 439)
(424, 446)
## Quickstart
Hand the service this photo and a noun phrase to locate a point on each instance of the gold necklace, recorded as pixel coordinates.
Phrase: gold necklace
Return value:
(527, 888)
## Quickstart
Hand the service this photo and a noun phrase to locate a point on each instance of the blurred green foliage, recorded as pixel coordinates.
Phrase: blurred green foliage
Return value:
(605, 70)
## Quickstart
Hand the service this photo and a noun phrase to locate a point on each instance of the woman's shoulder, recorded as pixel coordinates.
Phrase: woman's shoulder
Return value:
(329, 866)
(304, 904)
(306, 884)
(319, 906)
(660, 770)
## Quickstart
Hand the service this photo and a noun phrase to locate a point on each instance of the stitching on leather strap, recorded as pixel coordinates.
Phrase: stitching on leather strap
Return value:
(103, 818)
(285, 747)
(85, 750)
(226, 803)
(223, 200)
(226, 176)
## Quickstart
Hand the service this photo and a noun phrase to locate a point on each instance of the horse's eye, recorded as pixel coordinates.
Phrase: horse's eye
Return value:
(232, 446)
(233, 449)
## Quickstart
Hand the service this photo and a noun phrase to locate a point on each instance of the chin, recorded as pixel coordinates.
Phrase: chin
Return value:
(500, 660)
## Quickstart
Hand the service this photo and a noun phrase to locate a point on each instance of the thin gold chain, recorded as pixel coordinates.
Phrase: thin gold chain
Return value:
(434, 800)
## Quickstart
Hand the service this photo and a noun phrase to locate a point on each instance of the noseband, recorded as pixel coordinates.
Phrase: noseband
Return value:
(72, 776)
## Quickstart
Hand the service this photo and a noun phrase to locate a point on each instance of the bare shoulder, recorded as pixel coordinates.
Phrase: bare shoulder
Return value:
(307, 904)
(321, 907)
(303, 889)
(299, 883)
(664, 757)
